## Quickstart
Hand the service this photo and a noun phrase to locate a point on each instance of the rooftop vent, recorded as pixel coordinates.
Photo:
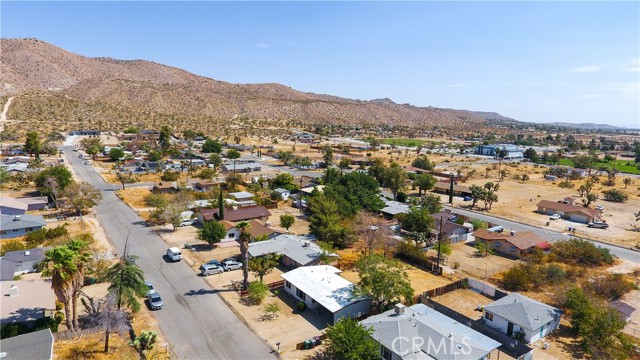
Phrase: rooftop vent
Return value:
(512, 232)
(399, 309)
(27, 253)
(450, 335)
(16, 218)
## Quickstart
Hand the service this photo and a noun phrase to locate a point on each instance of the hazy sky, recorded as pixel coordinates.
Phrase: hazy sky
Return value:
(533, 61)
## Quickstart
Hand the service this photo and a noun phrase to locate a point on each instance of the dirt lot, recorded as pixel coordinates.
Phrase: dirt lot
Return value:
(517, 201)
(134, 197)
(300, 227)
(479, 267)
(464, 301)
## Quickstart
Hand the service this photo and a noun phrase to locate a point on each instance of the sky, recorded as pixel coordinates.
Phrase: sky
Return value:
(542, 61)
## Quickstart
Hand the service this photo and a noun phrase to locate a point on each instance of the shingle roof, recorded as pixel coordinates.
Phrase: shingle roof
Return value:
(445, 186)
(10, 202)
(241, 195)
(567, 208)
(291, 246)
(395, 208)
(9, 222)
(241, 214)
(521, 310)
(522, 240)
(323, 284)
(421, 322)
(35, 345)
(24, 255)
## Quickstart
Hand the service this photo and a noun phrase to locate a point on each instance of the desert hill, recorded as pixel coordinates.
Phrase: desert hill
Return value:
(42, 77)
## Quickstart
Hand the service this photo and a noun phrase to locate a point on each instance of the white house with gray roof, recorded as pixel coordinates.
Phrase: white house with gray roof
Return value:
(295, 250)
(324, 291)
(12, 226)
(20, 262)
(419, 332)
(516, 313)
(35, 345)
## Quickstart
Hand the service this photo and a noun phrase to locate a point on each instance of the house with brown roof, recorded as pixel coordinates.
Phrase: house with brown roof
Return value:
(458, 190)
(205, 185)
(165, 188)
(516, 244)
(235, 215)
(257, 230)
(568, 210)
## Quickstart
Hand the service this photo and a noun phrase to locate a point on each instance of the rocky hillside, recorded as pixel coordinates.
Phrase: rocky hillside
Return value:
(42, 76)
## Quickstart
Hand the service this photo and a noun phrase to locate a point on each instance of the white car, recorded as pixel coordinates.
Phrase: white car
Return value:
(555, 217)
(150, 287)
(600, 207)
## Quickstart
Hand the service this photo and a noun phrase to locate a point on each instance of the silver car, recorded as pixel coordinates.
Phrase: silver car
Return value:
(150, 287)
(229, 265)
(209, 269)
(155, 301)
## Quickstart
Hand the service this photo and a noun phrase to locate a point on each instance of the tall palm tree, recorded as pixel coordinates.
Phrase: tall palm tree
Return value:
(82, 258)
(127, 283)
(61, 266)
(245, 236)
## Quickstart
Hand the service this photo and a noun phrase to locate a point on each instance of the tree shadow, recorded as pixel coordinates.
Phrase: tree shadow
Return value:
(564, 337)
(201, 292)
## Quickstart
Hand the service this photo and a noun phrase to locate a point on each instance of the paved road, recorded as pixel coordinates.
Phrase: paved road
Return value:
(551, 235)
(194, 320)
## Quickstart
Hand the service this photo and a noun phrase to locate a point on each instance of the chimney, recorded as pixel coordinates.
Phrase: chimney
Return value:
(399, 309)
(306, 244)
(450, 335)
(512, 232)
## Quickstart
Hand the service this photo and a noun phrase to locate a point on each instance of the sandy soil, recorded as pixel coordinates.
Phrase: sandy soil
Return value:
(299, 227)
(479, 267)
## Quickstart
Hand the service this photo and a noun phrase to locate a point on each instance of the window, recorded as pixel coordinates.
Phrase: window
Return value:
(513, 249)
(232, 235)
(496, 245)
(287, 284)
(300, 294)
(385, 353)
(488, 316)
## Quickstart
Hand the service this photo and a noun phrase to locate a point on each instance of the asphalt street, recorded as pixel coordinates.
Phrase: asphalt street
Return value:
(552, 236)
(195, 320)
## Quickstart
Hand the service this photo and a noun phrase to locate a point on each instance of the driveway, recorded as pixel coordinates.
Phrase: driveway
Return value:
(198, 327)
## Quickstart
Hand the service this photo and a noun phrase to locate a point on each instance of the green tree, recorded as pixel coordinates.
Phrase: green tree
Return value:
(627, 181)
(586, 194)
(349, 340)
(286, 157)
(489, 195)
(127, 283)
(60, 265)
(263, 265)
(287, 220)
(215, 160)
(53, 181)
(482, 249)
(327, 155)
(82, 196)
(154, 155)
(165, 137)
(170, 175)
(384, 281)
(326, 223)
(479, 224)
(32, 144)
(417, 220)
(144, 342)
(12, 245)
(211, 146)
(477, 194)
(258, 291)
(394, 178)
(615, 195)
(424, 182)
(245, 237)
(233, 154)
(125, 178)
(211, 232)
(283, 180)
(432, 203)
(116, 153)
(345, 163)
(423, 162)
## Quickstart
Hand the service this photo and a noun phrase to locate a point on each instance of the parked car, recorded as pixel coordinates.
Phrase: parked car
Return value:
(214, 262)
(467, 198)
(598, 225)
(150, 287)
(186, 222)
(174, 254)
(155, 301)
(600, 207)
(208, 269)
(231, 265)
(555, 217)
(87, 162)
(229, 259)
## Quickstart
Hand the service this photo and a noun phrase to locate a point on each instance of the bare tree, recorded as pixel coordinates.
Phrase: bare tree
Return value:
(374, 234)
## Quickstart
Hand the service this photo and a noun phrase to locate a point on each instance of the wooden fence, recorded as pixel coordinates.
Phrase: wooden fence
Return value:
(423, 264)
(68, 334)
(463, 283)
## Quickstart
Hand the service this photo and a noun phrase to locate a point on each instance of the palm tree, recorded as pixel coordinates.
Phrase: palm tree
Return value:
(60, 265)
(82, 258)
(245, 236)
(127, 283)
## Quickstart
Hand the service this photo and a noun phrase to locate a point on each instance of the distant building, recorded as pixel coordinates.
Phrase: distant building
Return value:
(568, 211)
(513, 152)
(12, 226)
(445, 187)
(517, 244)
(296, 250)
(11, 206)
(20, 262)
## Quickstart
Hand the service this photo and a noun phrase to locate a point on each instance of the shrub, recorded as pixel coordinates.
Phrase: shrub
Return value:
(170, 175)
(518, 278)
(258, 291)
(577, 251)
(11, 330)
(12, 245)
(615, 195)
(301, 306)
(611, 286)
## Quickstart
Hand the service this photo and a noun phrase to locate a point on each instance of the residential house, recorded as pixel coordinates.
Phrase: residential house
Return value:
(24, 301)
(12, 226)
(454, 232)
(569, 211)
(235, 215)
(517, 244)
(20, 262)
(12, 206)
(132, 166)
(325, 292)
(445, 187)
(165, 188)
(35, 202)
(296, 250)
(284, 193)
(513, 152)
(393, 209)
(153, 166)
(516, 313)
(242, 167)
(205, 185)
(425, 333)
(34, 345)
(309, 190)
(257, 230)
(241, 196)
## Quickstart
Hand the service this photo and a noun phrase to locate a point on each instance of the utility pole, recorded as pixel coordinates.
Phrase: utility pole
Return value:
(451, 191)
(439, 242)
(300, 195)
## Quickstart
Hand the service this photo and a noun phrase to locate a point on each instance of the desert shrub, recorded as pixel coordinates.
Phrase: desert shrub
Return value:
(170, 175)
(518, 278)
(156, 200)
(39, 237)
(348, 261)
(610, 286)
(258, 291)
(615, 195)
(11, 330)
(206, 173)
(577, 251)
(12, 245)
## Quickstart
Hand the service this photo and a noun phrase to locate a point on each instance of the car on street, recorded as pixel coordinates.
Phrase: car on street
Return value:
(598, 225)
(155, 301)
(231, 265)
(600, 207)
(208, 269)
(555, 217)
(150, 287)
(174, 254)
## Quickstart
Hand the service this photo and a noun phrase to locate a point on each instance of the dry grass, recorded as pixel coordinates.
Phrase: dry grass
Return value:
(92, 347)
(135, 197)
